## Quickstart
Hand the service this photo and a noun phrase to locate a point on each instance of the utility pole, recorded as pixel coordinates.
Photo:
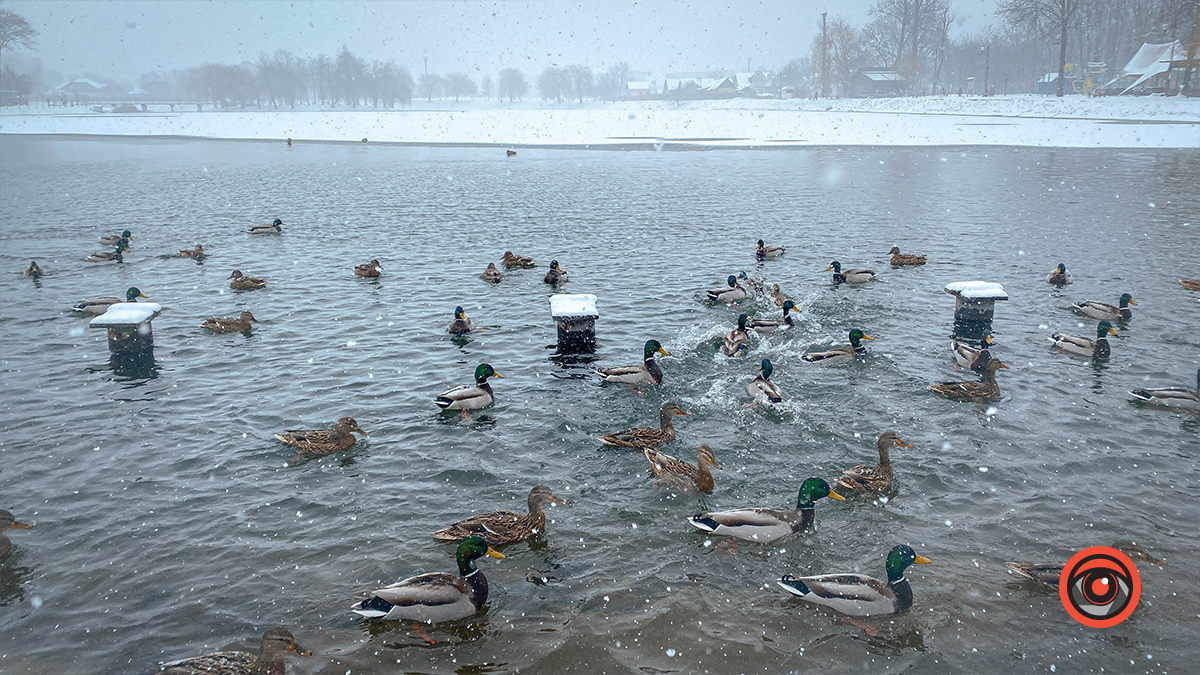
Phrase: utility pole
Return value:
(987, 67)
(824, 57)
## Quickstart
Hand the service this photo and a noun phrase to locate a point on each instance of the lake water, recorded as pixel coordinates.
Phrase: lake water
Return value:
(169, 523)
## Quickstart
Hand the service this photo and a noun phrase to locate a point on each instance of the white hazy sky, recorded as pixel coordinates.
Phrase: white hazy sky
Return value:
(123, 38)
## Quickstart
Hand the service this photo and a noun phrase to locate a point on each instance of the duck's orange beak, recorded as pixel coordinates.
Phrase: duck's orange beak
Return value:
(493, 553)
(297, 649)
(903, 444)
(836, 497)
(663, 352)
(1113, 331)
(922, 560)
(868, 337)
(827, 268)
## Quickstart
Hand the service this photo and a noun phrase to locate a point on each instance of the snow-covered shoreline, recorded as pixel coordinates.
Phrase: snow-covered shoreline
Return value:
(1029, 121)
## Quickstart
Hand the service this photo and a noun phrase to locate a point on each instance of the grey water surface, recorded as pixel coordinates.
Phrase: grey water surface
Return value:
(169, 522)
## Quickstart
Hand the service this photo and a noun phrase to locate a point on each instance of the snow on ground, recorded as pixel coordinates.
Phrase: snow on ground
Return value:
(1073, 121)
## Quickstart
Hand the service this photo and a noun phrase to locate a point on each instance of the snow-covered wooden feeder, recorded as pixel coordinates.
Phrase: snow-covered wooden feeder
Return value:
(975, 306)
(128, 325)
(575, 315)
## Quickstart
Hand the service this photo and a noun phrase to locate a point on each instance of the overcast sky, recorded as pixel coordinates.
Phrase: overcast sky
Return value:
(123, 38)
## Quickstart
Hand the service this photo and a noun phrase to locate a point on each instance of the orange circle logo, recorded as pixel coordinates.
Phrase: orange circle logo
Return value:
(1099, 587)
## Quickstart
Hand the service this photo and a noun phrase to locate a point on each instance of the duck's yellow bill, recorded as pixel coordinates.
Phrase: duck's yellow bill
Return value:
(1113, 330)
(493, 553)
(922, 560)
(143, 295)
(836, 497)
(663, 352)
(867, 337)
(495, 374)
(1132, 302)
(827, 268)
(903, 444)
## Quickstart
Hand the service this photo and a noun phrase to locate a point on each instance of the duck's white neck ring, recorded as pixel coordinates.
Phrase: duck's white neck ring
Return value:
(473, 573)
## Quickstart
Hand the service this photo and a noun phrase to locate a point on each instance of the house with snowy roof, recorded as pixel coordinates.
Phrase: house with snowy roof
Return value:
(874, 82)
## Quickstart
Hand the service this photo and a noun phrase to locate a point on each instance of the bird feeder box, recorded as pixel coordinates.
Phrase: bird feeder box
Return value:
(974, 307)
(128, 325)
(575, 315)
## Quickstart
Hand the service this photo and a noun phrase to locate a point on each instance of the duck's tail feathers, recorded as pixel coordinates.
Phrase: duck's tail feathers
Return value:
(794, 586)
(704, 522)
(1142, 394)
(372, 608)
(443, 402)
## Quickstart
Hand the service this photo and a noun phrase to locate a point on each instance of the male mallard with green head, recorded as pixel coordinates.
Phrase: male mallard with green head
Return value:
(100, 305)
(555, 275)
(1171, 397)
(761, 387)
(272, 228)
(764, 252)
(1060, 276)
(840, 354)
(877, 479)
(736, 340)
(646, 373)
(971, 357)
(767, 525)
(466, 397)
(105, 256)
(857, 594)
(680, 475)
(114, 239)
(858, 276)
(1097, 349)
(733, 292)
(499, 528)
(229, 324)
(647, 437)
(438, 596)
(320, 442)
(769, 326)
(1105, 311)
(979, 392)
(275, 643)
(241, 282)
(461, 324)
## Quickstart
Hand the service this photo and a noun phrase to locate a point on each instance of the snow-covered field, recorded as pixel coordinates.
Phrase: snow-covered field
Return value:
(1074, 121)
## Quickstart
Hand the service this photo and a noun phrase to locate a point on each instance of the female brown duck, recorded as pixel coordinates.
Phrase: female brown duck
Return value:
(275, 643)
(647, 437)
(876, 479)
(323, 441)
(499, 528)
(680, 475)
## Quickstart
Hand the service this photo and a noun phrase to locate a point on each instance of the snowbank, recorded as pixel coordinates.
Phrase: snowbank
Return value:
(1143, 122)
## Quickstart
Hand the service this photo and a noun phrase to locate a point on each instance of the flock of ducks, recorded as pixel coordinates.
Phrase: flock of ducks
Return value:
(439, 597)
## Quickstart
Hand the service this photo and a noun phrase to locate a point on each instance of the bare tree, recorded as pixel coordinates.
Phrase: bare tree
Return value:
(553, 83)
(797, 73)
(15, 30)
(581, 81)
(512, 84)
(485, 87)
(1044, 16)
(458, 84)
(430, 85)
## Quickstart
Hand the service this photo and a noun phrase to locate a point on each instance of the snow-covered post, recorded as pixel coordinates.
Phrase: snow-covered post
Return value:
(128, 325)
(974, 307)
(575, 316)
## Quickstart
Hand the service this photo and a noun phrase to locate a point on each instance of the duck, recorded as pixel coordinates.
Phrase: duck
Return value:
(34, 271)
(764, 252)
(8, 522)
(197, 252)
(860, 276)
(1044, 574)
(106, 256)
(979, 392)
(491, 274)
(320, 442)
(731, 293)
(857, 594)
(1107, 312)
(737, 339)
(900, 259)
(510, 153)
(646, 373)
(768, 326)
(512, 260)
(1097, 349)
(877, 479)
(438, 596)
(680, 475)
(778, 296)
(840, 354)
(555, 275)
(240, 282)
(100, 305)
(466, 397)
(499, 528)
(970, 357)
(1190, 284)
(275, 227)
(229, 324)
(1059, 276)
(755, 285)
(767, 525)
(275, 643)
(113, 239)
(762, 386)
(371, 269)
(1172, 397)
(647, 437)
(461, 324)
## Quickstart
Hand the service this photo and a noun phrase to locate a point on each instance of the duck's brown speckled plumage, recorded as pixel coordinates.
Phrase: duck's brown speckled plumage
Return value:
(979, 392)
(229, 324)
(874, 479)
(275, 643)
(323, 441)
(680, 475)
(499, 528)
(646, 437)
(241, 282)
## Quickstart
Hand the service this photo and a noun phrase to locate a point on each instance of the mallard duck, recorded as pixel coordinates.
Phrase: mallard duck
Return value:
(461, 324)
(197, 252)
(34, 271)
(106, 256)
(979, 392)
(275, 643)
(510, 153)
(555, 275)
(1107, 312)
(1059, 276)
(875, 479)
(273, 228)
(1190, 284)
(680, 475)
(466, 397)
(114, 239)
(731, 293)
(969, 357)
(491, 274)
(737, 339)
(1097, 349)
(841, 353)
(229, 324)
(900, 259)
(647, 373)
(371, 269)
(8, 522)
(768, 326)
(499, 528)
(511, 260)
(647, 437)
(438, 596)
(764, 252)
(762, 386)
(1174, 397)
(860, 276)
(778, 296)
(240, 282)
(323, 441)
(754, 285)
(857, 594)
(100, 305)
(1045, 574)
(767, 525)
